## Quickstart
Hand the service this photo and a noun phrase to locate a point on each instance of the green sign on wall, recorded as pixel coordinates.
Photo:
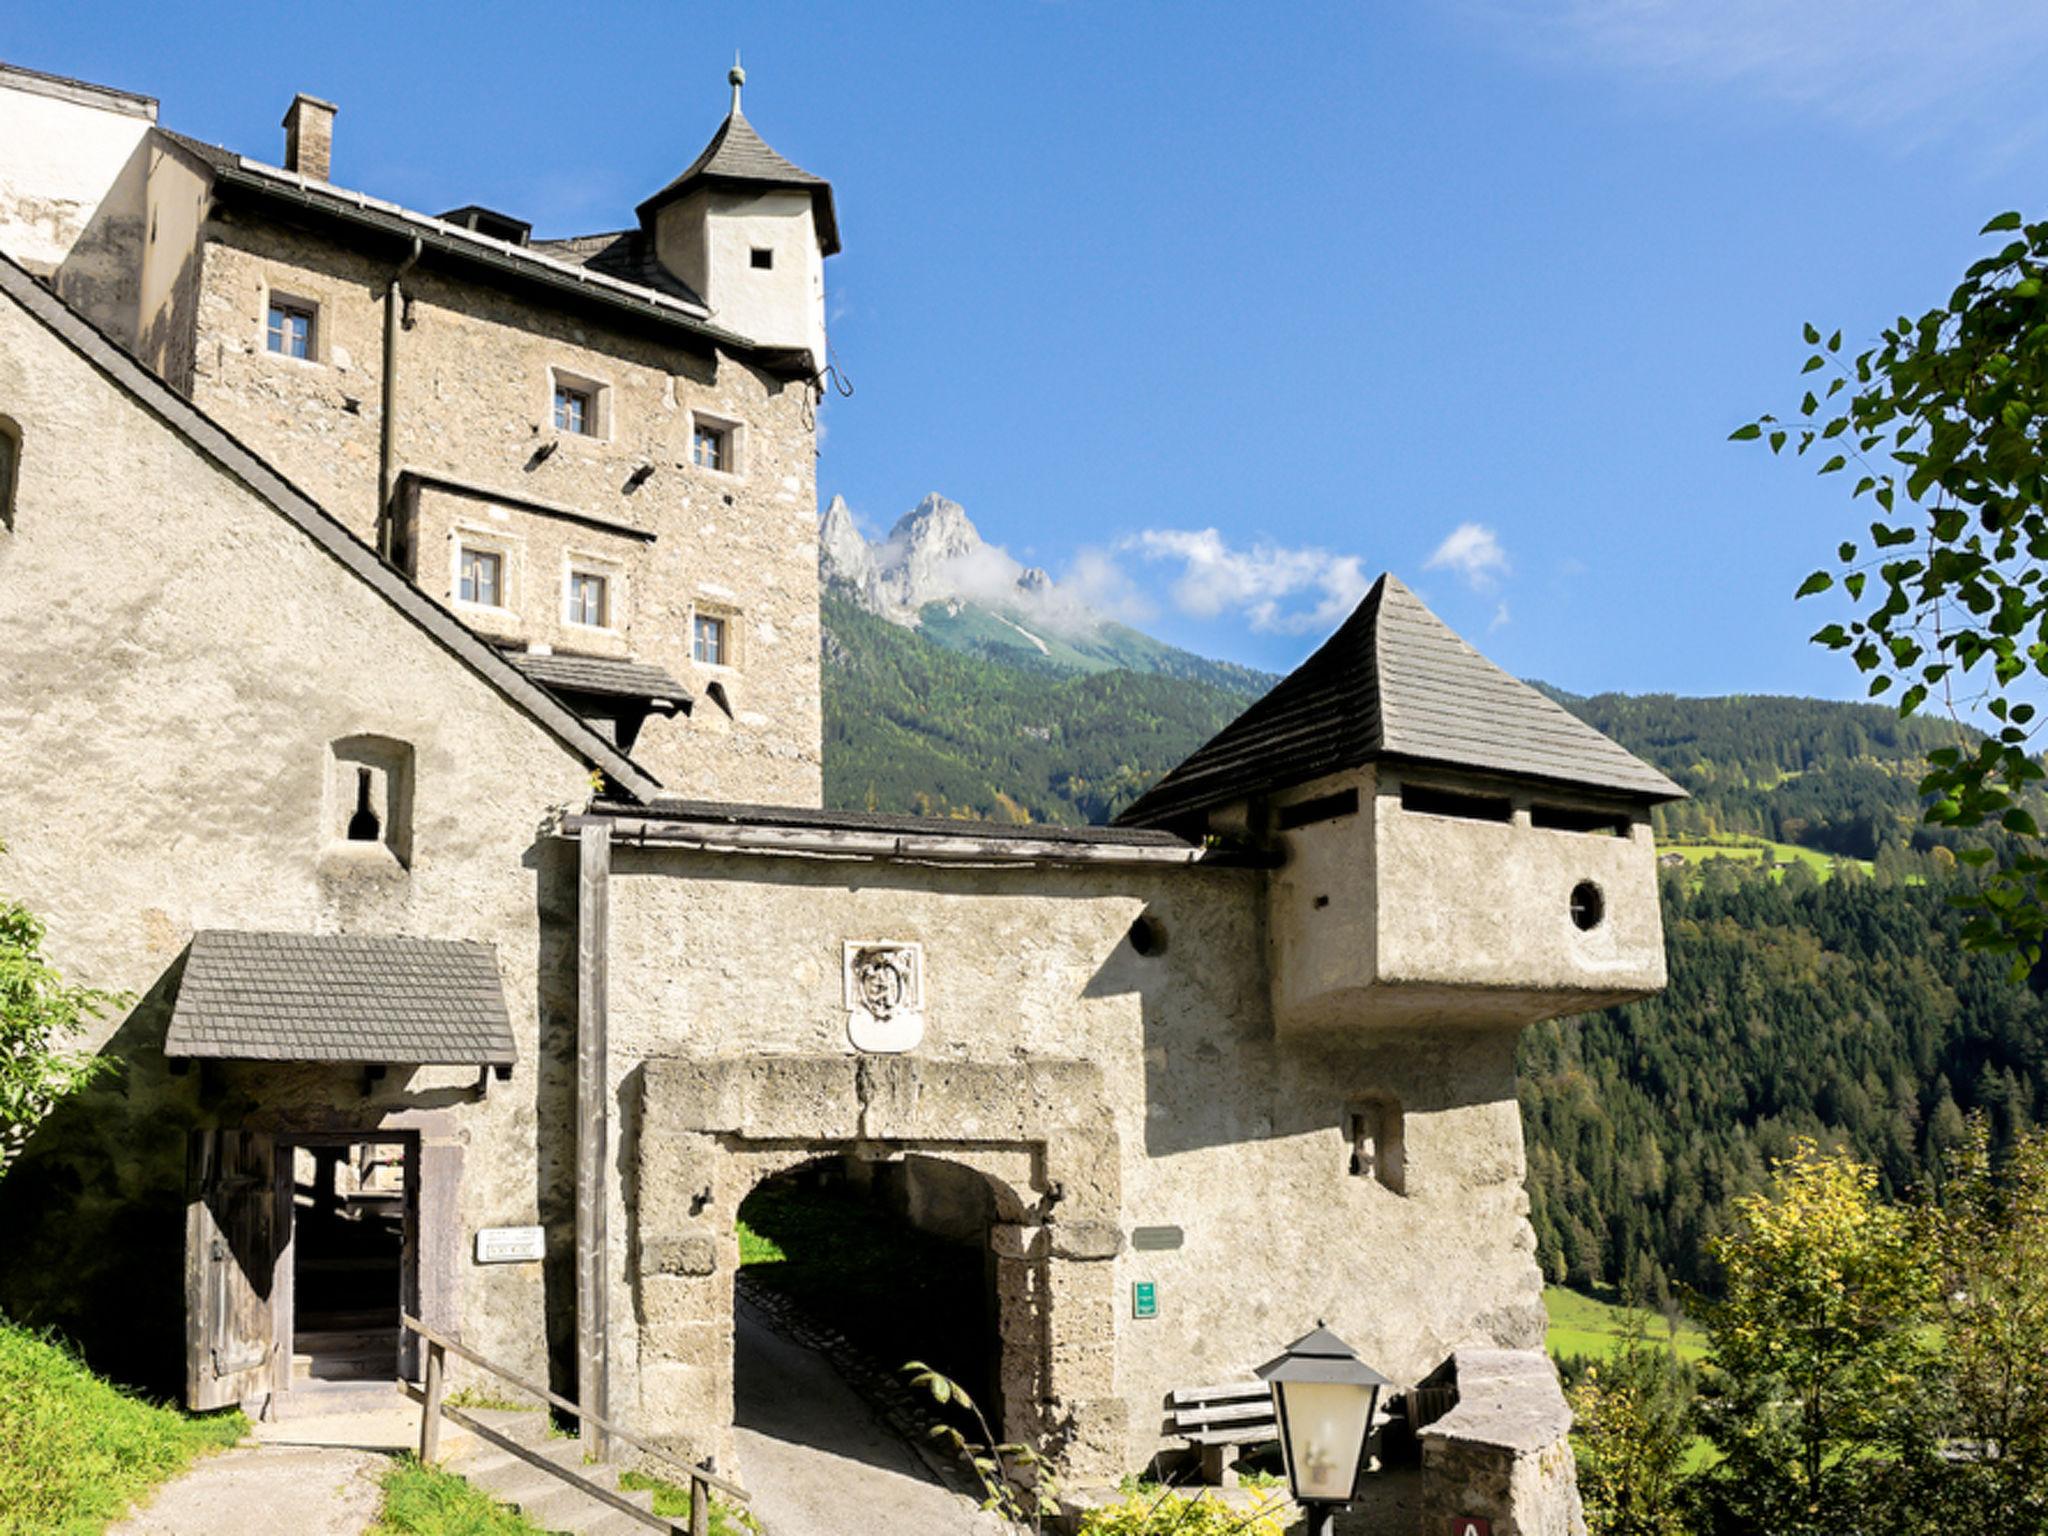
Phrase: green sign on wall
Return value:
(1144, 1298)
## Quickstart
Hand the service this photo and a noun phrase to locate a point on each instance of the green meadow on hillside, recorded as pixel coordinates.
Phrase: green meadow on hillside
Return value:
(1587, 1327)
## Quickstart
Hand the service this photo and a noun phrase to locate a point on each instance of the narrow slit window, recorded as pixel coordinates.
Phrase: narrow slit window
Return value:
(1430, 801)
(590, 599)
(10, 466)
(363, 825)
(483, 578)
(1571, 818)
(1378, 1149)
(289, 331)
(1321, 808)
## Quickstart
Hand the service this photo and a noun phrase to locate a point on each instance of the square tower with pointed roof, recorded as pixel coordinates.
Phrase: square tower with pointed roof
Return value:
(1455, 848)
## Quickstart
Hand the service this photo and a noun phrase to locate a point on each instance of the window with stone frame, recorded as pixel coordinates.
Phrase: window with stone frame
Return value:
(481, 578)
(590, 599)
(1378, 1142)
(289, 328)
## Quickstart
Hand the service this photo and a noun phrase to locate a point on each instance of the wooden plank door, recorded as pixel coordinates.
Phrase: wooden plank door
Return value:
(231, 1247)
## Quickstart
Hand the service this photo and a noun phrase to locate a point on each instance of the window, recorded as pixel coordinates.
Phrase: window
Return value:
(370, 795)
(10, 463)
(1430, 801)
(1322, 808)
(575, 410)
(290, 330)
(1572, 818)
(708, 640)
(764, 259)
(711, 446)
(483, 577)
(1378, 1147)
(590, 599)
(1588, 906)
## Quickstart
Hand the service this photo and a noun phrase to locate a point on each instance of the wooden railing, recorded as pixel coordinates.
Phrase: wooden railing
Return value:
(701, 1479)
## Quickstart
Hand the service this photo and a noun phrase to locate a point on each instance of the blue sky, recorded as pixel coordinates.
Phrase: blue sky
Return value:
(1219, 310)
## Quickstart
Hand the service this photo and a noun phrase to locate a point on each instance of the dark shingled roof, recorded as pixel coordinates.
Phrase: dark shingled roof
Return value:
(600, 675)
(627, 254)
(1395, 682)
(737, 156)
(340, 997)
(734, 814)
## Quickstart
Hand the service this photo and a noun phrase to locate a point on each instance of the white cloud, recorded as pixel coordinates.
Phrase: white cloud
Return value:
(1473, 551)
(1267, 583)
(1872, 64)
(1095, 580)
(1500, 617)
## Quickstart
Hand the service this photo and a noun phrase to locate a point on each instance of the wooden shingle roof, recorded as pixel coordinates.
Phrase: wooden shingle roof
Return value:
(1395, 682)
(340, 997)
(737, 156)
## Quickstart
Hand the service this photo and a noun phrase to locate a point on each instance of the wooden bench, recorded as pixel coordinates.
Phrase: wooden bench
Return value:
(1221, 1421)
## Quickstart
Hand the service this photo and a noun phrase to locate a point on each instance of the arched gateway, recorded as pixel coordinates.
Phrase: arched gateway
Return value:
(711, 1131)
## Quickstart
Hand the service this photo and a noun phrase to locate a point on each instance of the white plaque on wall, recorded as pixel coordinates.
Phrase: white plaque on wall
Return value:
(884, 982)
(510, 1245)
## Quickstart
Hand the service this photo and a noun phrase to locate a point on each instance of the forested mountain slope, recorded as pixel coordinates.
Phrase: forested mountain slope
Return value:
(912, 725)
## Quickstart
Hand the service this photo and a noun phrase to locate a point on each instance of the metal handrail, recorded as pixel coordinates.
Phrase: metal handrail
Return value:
(701, 1478)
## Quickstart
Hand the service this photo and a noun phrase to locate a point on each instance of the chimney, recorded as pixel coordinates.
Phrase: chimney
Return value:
(309, 136)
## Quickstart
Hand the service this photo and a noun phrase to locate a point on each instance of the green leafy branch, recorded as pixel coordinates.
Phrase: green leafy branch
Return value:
(1944, 418)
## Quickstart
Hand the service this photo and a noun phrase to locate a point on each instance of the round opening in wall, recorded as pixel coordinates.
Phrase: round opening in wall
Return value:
(1148, 935)
(1588, 906)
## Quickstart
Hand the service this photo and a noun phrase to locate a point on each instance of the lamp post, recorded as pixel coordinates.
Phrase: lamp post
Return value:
(1323, 1397)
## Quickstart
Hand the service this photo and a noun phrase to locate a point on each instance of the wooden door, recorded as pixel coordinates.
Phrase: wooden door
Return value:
(231, 1248)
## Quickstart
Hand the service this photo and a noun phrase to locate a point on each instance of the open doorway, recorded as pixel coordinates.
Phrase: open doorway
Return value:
(349, 1256)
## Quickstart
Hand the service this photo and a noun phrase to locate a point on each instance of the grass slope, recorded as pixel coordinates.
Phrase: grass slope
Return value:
(76, 1450)
(1593, 1329)
(1752, 850)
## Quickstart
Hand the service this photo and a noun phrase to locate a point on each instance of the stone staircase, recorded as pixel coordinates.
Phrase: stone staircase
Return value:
(541, 1497)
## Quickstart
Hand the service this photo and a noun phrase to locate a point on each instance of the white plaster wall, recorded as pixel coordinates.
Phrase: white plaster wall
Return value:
(784, 306)
(1224, 1130)
(179, 658)
(58, 159)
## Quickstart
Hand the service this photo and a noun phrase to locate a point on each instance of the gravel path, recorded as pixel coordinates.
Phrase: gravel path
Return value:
(816, 1459)
(262, 1490)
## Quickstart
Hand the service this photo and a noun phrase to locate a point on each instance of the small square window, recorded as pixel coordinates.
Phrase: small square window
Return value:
(709, 645)
(711, 446)
(764, 258)
(575, 410)
(483, 578)
(290, 329)
(590, 599)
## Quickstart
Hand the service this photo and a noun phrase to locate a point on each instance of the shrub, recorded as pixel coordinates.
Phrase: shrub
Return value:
(1165, 1513)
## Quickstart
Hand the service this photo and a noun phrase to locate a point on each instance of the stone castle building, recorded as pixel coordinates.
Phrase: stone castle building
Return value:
(412, 699)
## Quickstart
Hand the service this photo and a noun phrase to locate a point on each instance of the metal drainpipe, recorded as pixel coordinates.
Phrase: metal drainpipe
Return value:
(387, 458)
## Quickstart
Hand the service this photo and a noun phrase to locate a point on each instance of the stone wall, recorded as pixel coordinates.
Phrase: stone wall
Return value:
(475, 404)
(1503, 1453)
(181, 661)
(726, 976)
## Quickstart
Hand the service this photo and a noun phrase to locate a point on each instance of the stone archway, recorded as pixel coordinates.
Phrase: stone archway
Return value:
(710, 1130)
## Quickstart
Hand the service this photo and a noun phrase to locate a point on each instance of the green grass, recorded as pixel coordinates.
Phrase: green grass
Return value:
(673, 1501)
(425, 1501)
(1750, 850)
(76, 1450)
(1586, 1325)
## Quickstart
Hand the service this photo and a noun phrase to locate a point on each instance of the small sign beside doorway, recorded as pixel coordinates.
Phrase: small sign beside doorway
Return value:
(510, 1245)
(1470, 1525)
(1144, 1298)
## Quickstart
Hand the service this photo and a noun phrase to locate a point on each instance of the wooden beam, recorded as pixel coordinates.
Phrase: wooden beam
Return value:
(535, 1389)
(913, 847)
(593, 1136)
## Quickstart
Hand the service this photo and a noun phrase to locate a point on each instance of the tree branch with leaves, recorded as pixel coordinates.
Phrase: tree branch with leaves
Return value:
(38, 1010)
(1943, 421)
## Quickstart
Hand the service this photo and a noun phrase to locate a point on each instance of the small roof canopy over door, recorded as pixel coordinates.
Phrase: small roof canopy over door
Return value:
(341, 998)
